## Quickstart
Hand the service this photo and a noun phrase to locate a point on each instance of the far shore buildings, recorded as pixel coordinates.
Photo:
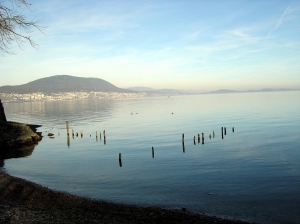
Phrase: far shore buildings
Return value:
(39, 96)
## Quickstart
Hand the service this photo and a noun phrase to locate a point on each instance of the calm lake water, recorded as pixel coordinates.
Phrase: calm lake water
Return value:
(251, 174)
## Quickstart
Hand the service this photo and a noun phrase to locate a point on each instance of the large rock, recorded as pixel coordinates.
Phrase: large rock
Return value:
(14, 135)
(2, 114)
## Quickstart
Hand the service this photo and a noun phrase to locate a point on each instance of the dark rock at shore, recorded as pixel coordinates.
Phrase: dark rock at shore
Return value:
(14, 135)
(2, 114)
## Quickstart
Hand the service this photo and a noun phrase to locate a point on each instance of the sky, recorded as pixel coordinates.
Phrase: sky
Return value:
(187, 45)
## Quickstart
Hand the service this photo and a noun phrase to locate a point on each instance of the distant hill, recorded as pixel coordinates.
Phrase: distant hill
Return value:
(250, 91)
(170, 91)
(64, 83)
(142, 89)
(223, 91)
(151, 90)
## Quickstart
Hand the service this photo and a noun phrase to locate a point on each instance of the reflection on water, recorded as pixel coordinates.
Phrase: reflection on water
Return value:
(15, 153)
(249, 169)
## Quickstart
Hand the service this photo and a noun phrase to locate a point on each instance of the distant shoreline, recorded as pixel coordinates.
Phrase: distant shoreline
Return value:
(62, 96)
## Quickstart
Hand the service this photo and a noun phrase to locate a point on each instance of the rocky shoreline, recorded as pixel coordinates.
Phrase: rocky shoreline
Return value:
(22, 201)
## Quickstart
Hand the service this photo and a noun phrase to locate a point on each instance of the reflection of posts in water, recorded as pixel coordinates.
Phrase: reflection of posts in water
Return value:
(120, 159)
(152, 152)
(183, 147)
(222, 132)
(68, 141)
(67, 127)
(232, 129)
(202, 138)
(198, 138)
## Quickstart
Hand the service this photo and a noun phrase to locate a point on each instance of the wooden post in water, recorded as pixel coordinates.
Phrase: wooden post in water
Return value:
(100, 136)
(182, 137)
(202, 138)
(68, 141)
(222, 132)
(232, 129)
(72, 133)
(213, 134)
(194, 140)
(152, 152)
(209, 136)
(104, 136)
(120, 159)
(198, 138)
(67, 127)
(183, 147)
(81, 134)
(76, 134)
(225, 131)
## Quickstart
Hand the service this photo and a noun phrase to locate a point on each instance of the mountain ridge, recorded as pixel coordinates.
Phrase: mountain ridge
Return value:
(64, 83)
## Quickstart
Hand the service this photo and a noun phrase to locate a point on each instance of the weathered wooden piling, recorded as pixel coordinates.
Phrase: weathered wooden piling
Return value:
(202, 138)
(68, 141)
(96, 134)
(72, 133)
(120, 159)
(104, 136)
(81, 134)
(152, 152)
(76, 134)
(67, 127)
(183, 137)
(224, 130)
(198, 138)
(232, 129)
(194, 140)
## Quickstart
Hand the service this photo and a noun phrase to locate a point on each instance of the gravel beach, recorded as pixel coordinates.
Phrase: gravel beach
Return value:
(22, 201)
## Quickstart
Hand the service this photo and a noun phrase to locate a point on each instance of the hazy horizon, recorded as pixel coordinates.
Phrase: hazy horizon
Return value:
(193, 45)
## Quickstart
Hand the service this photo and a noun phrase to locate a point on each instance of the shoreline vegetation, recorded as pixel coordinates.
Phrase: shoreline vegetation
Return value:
(22, 201)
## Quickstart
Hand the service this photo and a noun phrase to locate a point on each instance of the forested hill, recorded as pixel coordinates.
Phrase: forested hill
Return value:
(64, 83)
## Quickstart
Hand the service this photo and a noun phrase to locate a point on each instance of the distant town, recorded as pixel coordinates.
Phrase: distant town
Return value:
(39, 96)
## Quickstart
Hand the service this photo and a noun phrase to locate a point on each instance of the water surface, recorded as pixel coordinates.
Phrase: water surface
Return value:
(251, 174)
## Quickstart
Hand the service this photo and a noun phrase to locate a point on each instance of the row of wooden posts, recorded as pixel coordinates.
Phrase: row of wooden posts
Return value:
(81, 134)
(223, 132)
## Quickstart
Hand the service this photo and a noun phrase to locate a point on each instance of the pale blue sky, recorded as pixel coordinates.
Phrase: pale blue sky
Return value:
(196, 45)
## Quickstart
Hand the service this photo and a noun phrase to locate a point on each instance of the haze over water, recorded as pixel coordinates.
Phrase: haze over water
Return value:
(251, 174)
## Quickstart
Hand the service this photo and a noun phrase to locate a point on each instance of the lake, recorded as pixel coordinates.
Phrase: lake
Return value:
(252, 173)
